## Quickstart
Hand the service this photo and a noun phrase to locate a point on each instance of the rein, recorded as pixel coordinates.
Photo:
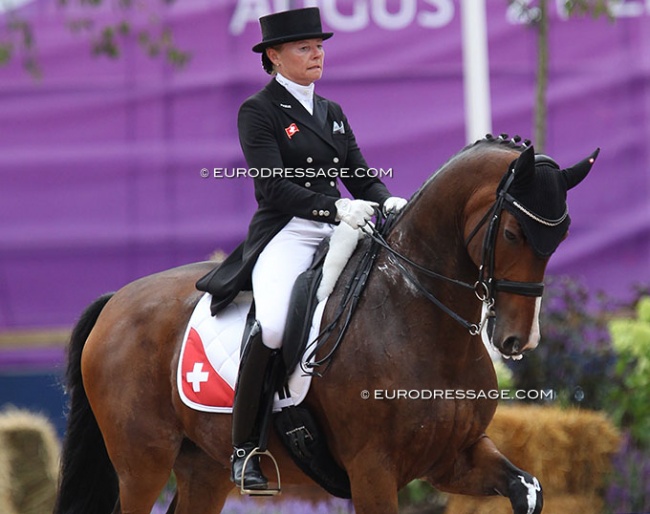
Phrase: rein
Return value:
(486, 286)
(348, 305)
(478, 288)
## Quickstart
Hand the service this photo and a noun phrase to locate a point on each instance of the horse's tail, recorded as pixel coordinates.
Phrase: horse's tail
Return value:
(88, 482)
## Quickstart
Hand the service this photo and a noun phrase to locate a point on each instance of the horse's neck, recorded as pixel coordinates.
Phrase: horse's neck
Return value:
(430, 233)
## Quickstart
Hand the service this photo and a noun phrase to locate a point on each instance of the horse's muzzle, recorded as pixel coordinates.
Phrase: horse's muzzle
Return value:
(513, 342)
(512, 348)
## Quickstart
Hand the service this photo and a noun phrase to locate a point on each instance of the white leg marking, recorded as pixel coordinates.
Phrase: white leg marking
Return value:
(531, 495)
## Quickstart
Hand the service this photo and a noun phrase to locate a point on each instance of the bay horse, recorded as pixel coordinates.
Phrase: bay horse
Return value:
(416, 328)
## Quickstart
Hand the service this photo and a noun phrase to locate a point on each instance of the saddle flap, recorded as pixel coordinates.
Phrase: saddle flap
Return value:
(302, 306)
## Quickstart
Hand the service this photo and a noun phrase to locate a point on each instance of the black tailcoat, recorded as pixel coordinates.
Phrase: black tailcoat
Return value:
(278, 136)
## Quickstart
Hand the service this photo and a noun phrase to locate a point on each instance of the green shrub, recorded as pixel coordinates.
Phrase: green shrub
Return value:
(629, 404)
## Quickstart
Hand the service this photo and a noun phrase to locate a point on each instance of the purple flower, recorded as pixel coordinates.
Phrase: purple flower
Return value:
(629, 488)
(279, 505)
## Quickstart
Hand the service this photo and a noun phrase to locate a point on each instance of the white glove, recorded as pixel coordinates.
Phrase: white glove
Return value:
(394, 204)
(355, 213)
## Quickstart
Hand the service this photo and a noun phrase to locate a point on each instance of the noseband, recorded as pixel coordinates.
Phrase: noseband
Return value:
(486, 286)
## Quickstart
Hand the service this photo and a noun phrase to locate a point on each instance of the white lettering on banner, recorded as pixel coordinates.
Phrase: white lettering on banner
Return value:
(627, 8)
(248, 11)
(618, 8)
(523, 11)
(386, 14)
(399, 20)
(349, 23)
(442, 16)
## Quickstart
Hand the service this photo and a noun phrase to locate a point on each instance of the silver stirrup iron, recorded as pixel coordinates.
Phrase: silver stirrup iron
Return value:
(270, 491)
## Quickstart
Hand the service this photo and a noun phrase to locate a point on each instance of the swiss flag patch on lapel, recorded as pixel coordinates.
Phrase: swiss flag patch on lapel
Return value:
(291, 130)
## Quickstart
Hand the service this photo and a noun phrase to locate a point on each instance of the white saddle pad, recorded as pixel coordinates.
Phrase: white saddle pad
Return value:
(209, 360)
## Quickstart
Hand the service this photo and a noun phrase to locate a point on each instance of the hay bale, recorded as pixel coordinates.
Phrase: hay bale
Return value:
(6, 504)
(552, 505)
(30, 453)
(568, 450)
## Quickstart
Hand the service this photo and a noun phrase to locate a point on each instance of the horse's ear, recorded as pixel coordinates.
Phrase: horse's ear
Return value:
(576, 173)
(524, 166)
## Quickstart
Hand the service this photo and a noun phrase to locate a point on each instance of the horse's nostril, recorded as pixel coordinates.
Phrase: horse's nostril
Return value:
(512, 345)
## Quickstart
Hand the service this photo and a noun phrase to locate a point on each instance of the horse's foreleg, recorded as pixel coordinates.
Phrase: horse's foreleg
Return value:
(373, 484)
(482, 471)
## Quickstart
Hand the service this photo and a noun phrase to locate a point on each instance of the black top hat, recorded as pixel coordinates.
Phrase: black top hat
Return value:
(287, 26)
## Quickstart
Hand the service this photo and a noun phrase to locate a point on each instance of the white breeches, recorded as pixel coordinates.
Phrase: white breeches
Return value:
(286, 256)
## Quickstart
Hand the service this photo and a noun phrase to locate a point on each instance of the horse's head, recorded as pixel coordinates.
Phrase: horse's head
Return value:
(511, 234)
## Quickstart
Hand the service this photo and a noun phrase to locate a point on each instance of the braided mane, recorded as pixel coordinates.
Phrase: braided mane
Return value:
(514, 142)
(503, 140)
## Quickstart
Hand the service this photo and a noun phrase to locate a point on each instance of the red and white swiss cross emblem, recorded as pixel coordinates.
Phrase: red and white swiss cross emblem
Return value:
(291, 130)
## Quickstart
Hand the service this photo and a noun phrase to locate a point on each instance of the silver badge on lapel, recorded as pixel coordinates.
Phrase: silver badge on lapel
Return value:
(338, 128)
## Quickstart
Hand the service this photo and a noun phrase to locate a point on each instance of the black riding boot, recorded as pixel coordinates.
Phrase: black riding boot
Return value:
(246, 410)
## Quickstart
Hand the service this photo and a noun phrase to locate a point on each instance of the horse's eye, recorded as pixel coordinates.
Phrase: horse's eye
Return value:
(510, 236)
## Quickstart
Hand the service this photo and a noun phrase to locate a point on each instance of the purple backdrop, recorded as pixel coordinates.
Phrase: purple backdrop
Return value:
(100, 160)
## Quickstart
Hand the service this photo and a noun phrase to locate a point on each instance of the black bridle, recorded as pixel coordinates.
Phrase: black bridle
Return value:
(486, 286)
